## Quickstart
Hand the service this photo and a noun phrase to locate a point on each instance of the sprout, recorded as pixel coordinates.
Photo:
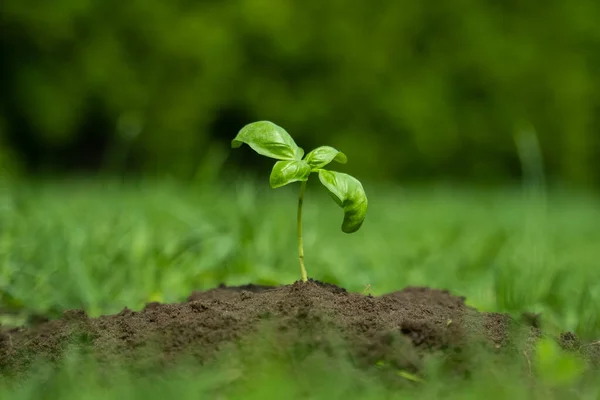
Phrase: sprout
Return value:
(272, 141)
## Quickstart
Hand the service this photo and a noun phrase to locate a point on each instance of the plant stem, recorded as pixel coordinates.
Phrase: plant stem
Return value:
(300, 246)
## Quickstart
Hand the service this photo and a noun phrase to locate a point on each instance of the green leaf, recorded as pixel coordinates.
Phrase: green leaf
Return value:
(409, 376)
(289, 171)
(556, 366)
(269, 140)
(349, 194)
(321, 156)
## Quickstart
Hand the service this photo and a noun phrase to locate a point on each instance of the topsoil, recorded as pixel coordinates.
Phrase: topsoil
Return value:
(398, 328)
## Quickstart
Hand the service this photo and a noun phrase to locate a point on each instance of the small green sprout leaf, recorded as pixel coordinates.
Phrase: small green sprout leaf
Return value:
(349, 194)
(409, 376)
(269, 140)
(272, 141)
(321, 156)
(288, 171)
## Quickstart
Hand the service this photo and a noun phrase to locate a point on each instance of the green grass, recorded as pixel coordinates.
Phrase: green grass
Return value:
(104, 246)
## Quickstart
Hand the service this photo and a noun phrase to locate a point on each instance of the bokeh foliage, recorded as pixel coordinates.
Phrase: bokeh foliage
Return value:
(437, 89)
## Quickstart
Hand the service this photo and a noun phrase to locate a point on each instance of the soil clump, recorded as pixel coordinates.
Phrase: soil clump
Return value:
(397, 329)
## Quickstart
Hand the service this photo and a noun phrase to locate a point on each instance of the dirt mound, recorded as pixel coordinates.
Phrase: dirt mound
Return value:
(397, 328)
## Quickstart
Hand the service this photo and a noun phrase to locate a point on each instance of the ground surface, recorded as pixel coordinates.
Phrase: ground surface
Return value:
(395, 328)
(103, 247)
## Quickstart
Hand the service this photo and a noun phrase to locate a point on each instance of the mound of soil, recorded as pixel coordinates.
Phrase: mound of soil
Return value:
(396, 328)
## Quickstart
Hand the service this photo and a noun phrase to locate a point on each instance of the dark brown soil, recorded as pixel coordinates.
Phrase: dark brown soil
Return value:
(397, 328)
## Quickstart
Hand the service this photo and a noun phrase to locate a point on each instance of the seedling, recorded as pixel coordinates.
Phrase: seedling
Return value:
(272, 141)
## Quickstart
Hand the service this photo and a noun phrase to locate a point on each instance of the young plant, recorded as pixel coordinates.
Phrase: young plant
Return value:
(272, 141)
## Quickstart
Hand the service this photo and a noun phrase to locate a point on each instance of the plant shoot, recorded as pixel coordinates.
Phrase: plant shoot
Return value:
(272, 141)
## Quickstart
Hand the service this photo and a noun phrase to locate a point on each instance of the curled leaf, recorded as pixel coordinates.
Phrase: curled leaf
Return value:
(288, 171)
(321, 156)
(269, 140)
(349, 194)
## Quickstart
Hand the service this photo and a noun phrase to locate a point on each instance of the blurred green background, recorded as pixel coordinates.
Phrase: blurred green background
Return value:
(409, 90)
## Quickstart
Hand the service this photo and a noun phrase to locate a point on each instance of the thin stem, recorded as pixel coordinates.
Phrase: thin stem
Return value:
(300, 245)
